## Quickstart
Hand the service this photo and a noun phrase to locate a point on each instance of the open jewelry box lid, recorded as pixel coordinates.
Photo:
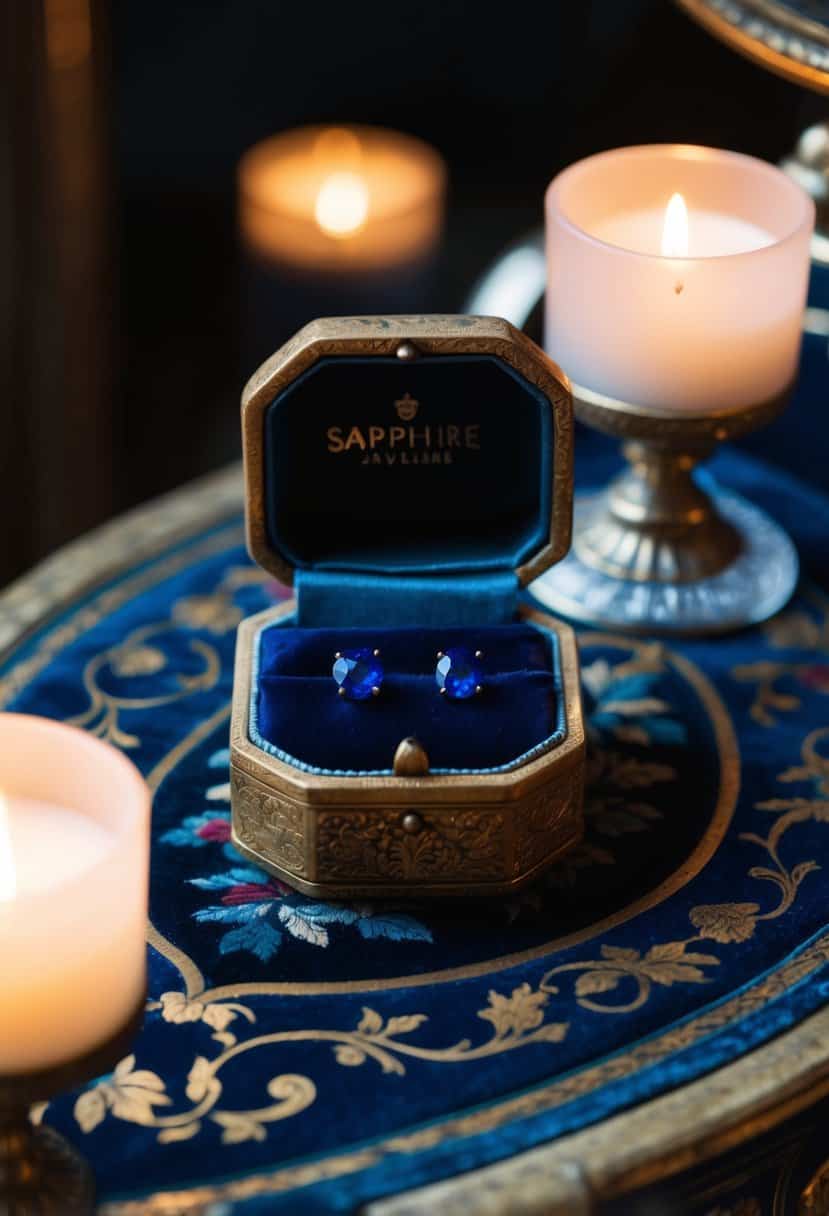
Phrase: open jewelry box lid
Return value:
(435, 448)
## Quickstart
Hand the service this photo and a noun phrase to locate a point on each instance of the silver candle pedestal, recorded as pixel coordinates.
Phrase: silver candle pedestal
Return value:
(658, 551)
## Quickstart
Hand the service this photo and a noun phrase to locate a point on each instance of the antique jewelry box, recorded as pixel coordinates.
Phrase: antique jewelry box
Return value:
(409, 476)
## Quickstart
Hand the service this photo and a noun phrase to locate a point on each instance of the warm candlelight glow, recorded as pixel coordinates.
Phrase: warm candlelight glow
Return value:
(342, 204)
(675, 229)
(341, 200)
(696, 309)
(8, 874)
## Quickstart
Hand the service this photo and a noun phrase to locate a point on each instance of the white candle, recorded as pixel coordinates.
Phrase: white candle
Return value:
(713, 322)
(74, 858)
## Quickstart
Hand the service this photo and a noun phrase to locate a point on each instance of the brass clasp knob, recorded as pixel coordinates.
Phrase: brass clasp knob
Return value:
(410, 759)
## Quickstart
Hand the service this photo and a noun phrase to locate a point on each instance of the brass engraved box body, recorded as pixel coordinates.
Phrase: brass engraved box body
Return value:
(437, 834)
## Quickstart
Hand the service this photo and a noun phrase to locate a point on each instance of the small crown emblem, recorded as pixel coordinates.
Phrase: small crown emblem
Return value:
(407, 407)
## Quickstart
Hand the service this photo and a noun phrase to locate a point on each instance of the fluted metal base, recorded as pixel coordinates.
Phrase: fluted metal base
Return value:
(756, 583)
(41, 1174)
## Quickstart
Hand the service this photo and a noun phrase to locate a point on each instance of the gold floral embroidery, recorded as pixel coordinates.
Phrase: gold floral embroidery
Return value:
(665, 964)
(130, 1095)
(216, 613)
(177, 1008)
(725, 922)
(794, 629)
(134, 659)
(517, 1020)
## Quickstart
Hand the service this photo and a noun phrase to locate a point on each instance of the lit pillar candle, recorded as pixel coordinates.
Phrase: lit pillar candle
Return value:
(677, 276)
(342, 199)
(338, 220)
(74, 861)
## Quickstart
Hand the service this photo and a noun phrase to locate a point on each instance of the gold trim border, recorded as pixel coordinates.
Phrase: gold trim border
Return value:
(654, 1140)
(790, 29)
(430, 334)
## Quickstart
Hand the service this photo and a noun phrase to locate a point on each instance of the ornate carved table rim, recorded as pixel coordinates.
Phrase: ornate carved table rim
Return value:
(651, 1142)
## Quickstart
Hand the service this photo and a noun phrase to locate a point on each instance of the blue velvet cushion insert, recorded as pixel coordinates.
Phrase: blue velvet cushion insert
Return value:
(297, 714)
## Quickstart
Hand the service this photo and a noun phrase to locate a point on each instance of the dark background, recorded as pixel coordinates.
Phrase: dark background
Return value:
(126, 359)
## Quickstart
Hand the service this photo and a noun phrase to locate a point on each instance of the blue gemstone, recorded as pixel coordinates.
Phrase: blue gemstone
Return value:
(458, 673)
(358, 674)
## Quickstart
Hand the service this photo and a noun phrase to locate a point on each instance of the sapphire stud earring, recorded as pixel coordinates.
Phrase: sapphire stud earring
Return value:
(458, 673)
(358, 674)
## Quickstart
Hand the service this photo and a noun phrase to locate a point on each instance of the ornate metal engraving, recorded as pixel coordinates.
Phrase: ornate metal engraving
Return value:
(268, 823)
(545, 821)
(452, 846)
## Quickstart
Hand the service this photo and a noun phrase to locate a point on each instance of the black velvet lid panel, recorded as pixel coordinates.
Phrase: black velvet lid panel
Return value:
(377, 466)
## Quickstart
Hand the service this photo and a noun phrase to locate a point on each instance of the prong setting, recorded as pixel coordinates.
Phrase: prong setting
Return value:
(458, 673)
(358, 673)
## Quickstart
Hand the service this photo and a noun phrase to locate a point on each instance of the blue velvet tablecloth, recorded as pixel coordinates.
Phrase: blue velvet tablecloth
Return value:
(309, 1056)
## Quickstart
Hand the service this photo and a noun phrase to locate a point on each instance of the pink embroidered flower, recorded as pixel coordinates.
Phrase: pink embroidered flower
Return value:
(815, 676)
(254, 893)
(217, 829)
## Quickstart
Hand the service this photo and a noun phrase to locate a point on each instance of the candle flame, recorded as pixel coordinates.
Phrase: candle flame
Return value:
(8, 874)
(342, 204)
(675, 229)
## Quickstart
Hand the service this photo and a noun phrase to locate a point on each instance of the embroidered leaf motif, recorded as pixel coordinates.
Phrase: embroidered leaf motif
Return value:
(552, 1032)
(257, 936)
(395, 926)
(620, 954)
(793, 630)
(215, 613)
(176, 1008)
(668, 964)
(628, 772)
(219, 1017)
(327, 914)
(199, 1079)
(725, 922)
(132, 1093)
(404, 1024)
(172, 1135)
(632, 734)
(90, 1109)
(238, 1127)
(137, 661)
(238, 876)
(597, 981)
(516, 1014)
(231, 914)
(636, 708)
(371, 1022)
(301, 928)
(349, 1055)
(615, 817)
(596, 677)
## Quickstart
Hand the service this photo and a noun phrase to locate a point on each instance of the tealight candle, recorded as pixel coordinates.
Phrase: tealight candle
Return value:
(342, 199)
(74, 861)
(677, 276)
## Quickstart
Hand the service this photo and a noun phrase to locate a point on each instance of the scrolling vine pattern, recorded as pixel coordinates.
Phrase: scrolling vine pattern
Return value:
(140, 672)
(616, 982)
(780, 683)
